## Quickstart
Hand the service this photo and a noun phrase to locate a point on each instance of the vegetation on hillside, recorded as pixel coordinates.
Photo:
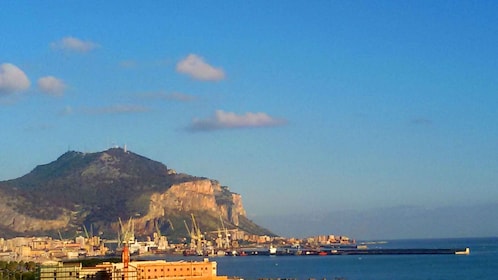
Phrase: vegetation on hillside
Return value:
(95, 189)
(97, 182)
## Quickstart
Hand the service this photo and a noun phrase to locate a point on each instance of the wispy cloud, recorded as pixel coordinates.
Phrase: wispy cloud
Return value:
(12, 79)
(197, 68)
(421, 121)
(182, 97)
(144, 64)
(39, 127)
(68, 110)
(229, 120)
(175, 96)
(128, 64)
(51, 86)
(74, 44)
(116, 109)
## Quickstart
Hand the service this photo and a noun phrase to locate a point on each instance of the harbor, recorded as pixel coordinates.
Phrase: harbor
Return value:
(357, 251)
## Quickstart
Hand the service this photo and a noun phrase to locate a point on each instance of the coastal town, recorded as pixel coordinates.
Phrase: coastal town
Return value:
(46, 248)
(47, 258)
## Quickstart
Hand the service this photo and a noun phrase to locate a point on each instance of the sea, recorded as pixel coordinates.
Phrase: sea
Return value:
(481, 263)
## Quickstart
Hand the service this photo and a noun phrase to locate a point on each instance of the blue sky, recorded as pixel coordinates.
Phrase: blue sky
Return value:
(297, 105)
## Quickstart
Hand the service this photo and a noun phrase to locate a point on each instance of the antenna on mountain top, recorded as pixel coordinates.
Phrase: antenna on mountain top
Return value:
(124, 148)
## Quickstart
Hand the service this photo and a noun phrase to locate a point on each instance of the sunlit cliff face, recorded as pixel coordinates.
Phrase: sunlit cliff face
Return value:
(192, 197)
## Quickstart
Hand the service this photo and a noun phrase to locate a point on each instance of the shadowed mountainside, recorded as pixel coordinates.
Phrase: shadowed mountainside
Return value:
(95, 189)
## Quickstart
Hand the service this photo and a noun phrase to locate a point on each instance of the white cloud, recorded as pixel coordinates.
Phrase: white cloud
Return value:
(74, 44)
(51, 85)
(12, 79)
(197, 68)
(229, 120)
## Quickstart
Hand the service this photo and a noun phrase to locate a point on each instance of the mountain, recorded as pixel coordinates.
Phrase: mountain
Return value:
(95, 190)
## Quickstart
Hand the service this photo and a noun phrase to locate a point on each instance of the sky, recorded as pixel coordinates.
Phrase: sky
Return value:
(299, 106)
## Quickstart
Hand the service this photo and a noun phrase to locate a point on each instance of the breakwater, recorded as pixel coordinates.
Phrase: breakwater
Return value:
(408, 251)
(480, 264)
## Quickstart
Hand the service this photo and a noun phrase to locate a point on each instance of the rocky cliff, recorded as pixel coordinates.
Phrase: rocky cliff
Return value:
(17, 222)
(200, 196)
(97, 189)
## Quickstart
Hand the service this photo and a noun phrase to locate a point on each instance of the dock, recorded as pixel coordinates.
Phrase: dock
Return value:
(458, 251)
(363, 251)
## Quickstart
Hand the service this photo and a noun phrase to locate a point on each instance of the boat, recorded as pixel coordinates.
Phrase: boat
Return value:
(221, 253)
(242, 253)
(272, 250)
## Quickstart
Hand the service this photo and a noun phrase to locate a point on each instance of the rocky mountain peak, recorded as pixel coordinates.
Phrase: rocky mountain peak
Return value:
(99, 188)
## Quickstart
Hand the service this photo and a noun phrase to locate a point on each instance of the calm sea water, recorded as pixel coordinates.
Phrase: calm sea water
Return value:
(482, 263)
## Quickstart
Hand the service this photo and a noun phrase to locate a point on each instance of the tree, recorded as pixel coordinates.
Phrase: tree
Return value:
(12, 266)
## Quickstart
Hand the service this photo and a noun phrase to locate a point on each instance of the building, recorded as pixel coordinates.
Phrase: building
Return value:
(60, 271)
(132, 270)
(147, 270)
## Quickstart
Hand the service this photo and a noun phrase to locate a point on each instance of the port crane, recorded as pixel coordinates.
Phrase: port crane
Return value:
(89, 239)
(195, 234)
(62, 241)
(127, 232)
(226, 241)
(171, 225)
(159, 240)
(86, 232)
(157, 234)
(188, 230)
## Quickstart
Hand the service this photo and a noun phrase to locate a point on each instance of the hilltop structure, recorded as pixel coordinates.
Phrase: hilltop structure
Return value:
(95, 190)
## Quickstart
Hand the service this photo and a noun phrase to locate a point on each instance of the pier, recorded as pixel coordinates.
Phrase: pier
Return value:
(465, 251)
(353, 251)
